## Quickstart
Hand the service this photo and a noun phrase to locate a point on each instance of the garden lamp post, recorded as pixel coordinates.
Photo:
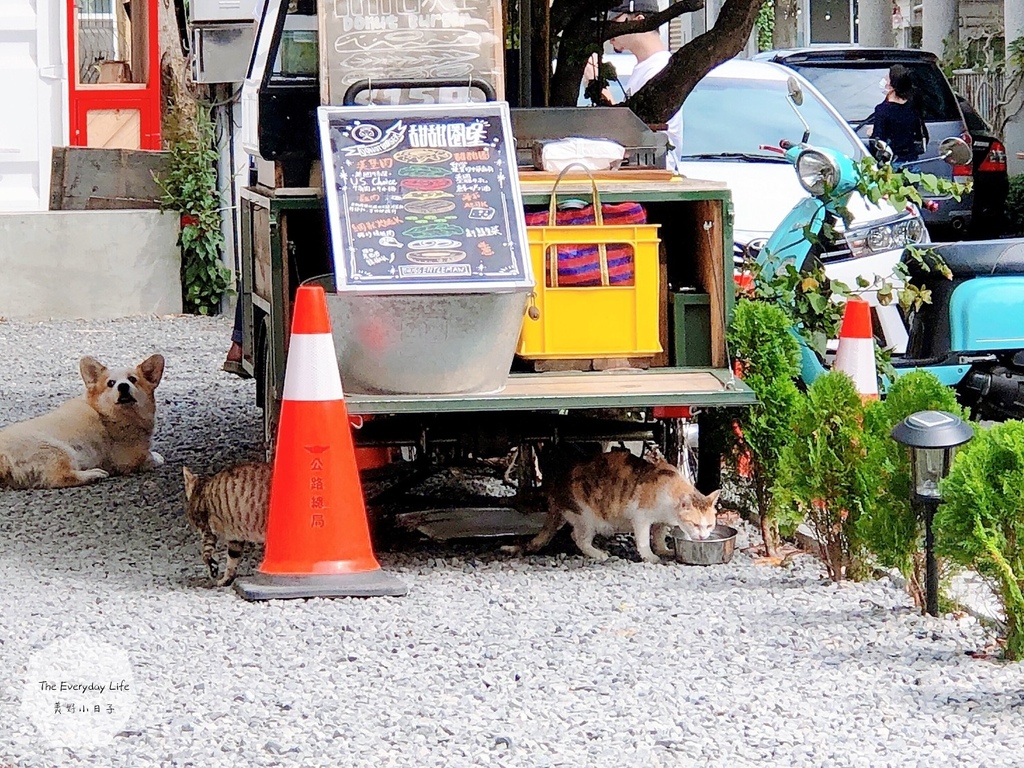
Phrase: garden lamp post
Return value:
(933, 437)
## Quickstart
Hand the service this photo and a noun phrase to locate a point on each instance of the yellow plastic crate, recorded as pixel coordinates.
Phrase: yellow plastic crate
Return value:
(599, 321)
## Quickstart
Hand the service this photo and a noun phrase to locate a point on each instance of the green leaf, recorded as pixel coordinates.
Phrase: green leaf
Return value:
(817, 301)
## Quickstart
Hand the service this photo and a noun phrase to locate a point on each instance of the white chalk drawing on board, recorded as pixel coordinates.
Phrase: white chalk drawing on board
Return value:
(409, 40)
(418, 40)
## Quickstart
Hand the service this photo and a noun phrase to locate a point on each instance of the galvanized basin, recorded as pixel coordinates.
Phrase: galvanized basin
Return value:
(422, 344)
(714, 550)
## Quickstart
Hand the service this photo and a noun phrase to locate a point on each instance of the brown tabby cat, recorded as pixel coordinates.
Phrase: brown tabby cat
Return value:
(233, 505)
(618, 492)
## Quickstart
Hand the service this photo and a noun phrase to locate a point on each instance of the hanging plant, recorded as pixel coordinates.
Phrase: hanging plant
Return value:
(190, 187)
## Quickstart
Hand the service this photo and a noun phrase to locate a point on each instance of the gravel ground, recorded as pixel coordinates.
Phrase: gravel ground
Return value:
(489, 659)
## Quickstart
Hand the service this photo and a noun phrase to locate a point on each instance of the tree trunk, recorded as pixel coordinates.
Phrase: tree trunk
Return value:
(785, 32)
(540, 49)
(770, 535)
(662, 96)
(1014, 627)
(572, 58)
(768, 524)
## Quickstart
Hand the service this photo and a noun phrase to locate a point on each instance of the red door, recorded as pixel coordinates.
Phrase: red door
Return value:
(114, 73)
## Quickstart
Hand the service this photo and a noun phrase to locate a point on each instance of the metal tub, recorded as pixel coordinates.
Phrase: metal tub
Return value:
(429, 343)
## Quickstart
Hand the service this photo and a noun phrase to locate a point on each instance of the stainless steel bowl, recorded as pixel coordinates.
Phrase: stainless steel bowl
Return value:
(717, 549)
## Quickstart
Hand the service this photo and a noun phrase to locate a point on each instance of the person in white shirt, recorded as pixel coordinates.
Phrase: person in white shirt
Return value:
(651, 56)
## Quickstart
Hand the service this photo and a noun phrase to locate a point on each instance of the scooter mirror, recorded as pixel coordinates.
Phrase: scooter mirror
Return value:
(955, 151)
(881, 151)
(796, 94)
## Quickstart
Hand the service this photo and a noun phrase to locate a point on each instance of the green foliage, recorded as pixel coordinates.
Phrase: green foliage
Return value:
(190, 187)
(813, 301)
(761, 340)
(821, 471)
(954, 56)
(806, 295)
(1015, 205)
(889, 526)
(981, 522)
(900, 186)
(764, 25)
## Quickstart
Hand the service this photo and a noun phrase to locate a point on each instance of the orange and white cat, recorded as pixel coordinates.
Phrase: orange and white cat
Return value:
(617, 492)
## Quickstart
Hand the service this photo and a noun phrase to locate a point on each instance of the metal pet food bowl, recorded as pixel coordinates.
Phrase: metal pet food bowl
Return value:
(717, 549)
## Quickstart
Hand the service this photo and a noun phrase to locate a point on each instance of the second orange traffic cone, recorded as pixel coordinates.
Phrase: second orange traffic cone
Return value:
(318, 537)
(856, 354)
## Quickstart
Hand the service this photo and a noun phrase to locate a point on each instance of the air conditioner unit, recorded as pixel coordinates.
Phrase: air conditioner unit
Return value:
(215, 11)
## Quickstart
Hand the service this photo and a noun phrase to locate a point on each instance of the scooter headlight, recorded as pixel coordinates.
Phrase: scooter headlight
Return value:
(816, 171)
(886, 237)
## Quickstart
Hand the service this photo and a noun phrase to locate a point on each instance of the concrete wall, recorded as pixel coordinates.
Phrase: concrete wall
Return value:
(1013, 15)
(89, 264)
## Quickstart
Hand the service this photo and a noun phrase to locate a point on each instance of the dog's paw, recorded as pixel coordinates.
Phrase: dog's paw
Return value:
(91, 475)
(155, 459)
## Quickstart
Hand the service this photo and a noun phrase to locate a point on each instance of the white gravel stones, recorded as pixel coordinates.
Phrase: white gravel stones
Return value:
(540, 661)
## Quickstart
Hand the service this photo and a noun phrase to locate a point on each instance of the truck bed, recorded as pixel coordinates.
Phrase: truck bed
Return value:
(574, 390)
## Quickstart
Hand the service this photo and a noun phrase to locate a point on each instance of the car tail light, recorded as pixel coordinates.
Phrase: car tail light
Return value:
(995, 160)
(962, 174)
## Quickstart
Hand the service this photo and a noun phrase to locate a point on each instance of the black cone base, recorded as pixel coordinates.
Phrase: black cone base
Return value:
(261, 586)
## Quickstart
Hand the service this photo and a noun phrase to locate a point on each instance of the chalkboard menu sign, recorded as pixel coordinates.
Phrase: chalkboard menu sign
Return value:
(424, 198)
(409, 40)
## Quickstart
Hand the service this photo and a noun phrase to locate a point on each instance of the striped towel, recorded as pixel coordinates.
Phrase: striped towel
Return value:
(580, 265)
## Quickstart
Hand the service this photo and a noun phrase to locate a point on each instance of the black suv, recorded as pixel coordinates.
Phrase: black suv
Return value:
(991, 182)
(851, 78)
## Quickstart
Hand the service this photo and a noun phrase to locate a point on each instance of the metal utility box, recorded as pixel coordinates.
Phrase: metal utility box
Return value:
(220, 52)
(212, 11)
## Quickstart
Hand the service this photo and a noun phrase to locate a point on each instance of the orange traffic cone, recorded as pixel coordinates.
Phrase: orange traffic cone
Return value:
(318, 537)
(856, 354)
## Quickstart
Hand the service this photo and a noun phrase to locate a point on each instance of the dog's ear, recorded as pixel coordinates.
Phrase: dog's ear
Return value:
(92, 370)
(152, 369)
(190, 482)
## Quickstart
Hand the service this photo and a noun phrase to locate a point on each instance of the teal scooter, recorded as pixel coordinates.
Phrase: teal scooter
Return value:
(971, 336)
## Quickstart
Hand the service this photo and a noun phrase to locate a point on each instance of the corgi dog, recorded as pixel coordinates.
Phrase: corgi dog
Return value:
(107, 431)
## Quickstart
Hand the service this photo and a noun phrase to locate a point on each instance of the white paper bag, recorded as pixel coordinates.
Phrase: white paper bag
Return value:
(595, 154)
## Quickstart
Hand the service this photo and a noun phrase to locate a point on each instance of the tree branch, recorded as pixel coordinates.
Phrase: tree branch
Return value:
(580, 32)
(575, 13)
(664, 93)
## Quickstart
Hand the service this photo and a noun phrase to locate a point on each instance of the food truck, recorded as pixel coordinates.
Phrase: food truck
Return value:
(475, 307)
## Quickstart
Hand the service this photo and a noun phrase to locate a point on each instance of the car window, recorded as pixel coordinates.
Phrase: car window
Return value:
(726, 115)
(855, 88)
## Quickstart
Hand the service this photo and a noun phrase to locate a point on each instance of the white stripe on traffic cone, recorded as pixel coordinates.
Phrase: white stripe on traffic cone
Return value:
(856, 354)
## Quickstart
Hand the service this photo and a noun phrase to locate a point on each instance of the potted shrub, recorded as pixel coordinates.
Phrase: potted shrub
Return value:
(190, 187)
(980, 523)
(821, 471)
(768, 360)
